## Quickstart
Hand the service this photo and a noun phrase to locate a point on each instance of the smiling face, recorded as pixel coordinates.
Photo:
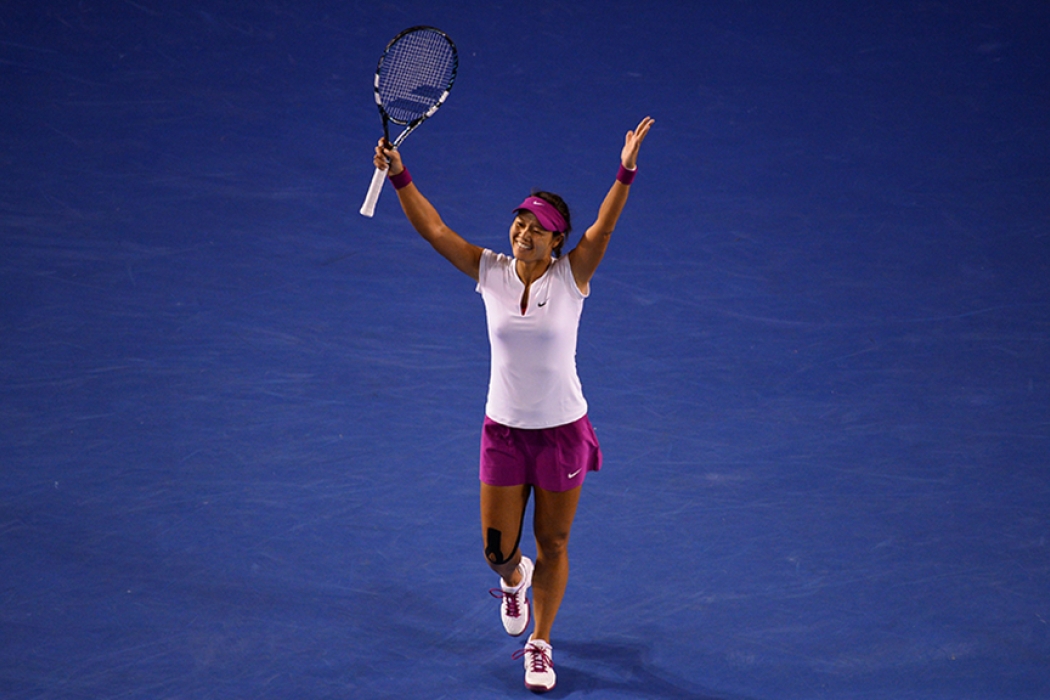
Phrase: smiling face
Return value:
(529, 241)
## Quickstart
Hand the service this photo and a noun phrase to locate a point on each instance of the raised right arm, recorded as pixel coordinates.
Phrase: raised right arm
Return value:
(466, 257)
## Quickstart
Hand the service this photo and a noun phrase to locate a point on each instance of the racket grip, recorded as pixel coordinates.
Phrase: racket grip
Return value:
(369, 207)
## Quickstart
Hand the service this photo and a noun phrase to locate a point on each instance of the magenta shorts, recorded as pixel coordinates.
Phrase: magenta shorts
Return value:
(552, 459)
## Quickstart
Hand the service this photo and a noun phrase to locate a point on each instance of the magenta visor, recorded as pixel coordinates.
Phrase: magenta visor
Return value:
(549, 217)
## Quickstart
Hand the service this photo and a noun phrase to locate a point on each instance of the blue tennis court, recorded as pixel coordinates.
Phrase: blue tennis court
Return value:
(239, 422)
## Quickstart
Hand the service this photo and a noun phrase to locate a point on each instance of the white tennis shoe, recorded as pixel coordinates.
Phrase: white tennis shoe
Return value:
(514, 608)
(539, 665)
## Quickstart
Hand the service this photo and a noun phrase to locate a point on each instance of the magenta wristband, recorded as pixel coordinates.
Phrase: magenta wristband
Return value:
(626, 176)
(401, 180)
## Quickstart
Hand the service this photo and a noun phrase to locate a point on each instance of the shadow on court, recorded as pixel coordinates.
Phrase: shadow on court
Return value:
(623, 667)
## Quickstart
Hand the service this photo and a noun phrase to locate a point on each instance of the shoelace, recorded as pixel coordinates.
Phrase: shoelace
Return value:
(539, 658)
(511, 599)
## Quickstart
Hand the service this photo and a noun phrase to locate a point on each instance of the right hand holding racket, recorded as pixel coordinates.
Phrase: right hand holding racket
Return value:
(387, 158)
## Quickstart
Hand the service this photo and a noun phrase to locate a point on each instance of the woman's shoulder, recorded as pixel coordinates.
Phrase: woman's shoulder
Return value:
(562, 269)
(492, 268)
(493, 256)
(492, 259)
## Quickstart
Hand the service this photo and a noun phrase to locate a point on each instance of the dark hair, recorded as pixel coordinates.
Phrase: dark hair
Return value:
(563, 209)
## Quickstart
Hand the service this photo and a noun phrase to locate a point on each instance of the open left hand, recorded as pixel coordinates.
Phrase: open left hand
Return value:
(633, 142)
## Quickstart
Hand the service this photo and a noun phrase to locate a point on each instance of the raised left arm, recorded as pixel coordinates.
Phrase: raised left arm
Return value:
(589, 252)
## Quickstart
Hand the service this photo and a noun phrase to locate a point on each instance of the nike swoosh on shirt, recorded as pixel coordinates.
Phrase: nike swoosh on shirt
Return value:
(575, 473)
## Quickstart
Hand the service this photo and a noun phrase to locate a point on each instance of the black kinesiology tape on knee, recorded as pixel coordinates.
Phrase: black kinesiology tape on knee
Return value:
(494, 548)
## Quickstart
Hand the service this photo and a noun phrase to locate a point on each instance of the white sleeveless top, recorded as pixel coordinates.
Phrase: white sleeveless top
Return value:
(533, 381)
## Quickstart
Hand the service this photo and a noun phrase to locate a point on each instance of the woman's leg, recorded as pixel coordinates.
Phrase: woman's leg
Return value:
(502, 513)
(555, 512)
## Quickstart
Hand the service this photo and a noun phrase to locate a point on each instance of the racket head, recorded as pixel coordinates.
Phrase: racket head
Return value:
(415, 74)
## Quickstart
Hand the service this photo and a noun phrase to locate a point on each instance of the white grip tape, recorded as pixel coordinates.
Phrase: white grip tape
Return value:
(369, 207)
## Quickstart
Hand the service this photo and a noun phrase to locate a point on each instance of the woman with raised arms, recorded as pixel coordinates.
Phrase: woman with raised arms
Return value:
(536, 436)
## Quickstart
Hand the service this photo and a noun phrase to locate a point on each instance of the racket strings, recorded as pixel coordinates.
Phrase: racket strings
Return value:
(415, 75)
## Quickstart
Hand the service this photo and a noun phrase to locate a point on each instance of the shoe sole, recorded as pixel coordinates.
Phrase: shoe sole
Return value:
(539, 688)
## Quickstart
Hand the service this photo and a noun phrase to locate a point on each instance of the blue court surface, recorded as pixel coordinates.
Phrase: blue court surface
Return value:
(239, 422)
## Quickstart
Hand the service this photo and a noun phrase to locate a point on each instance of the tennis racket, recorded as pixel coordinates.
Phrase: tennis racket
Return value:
(413, 79)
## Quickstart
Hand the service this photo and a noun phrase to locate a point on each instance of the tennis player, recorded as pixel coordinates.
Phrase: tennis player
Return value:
(536, 437)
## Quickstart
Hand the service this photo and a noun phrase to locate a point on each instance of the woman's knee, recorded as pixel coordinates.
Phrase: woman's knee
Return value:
(499, 552)
(555, 512)
(502, 517)
(552, 544)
